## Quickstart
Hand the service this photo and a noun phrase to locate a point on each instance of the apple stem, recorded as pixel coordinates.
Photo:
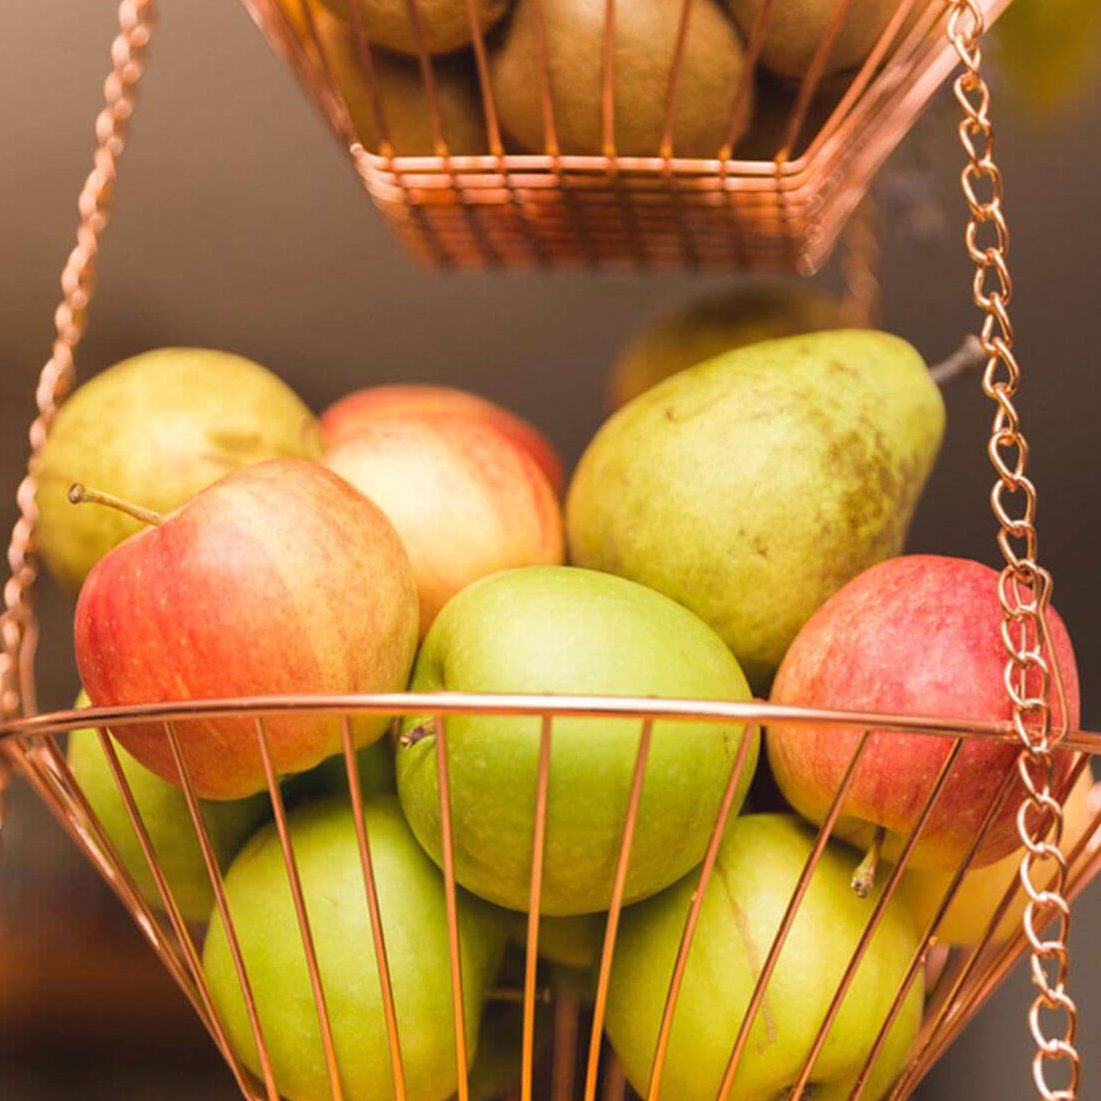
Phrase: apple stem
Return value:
(864, 877)
(82, 495)
(418, 733)
(969, 356)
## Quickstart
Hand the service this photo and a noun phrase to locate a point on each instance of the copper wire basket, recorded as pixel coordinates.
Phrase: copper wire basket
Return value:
(774, 194)
(582, 1064)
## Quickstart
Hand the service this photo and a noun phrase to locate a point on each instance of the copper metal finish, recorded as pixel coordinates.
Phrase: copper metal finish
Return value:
(378, 936)
(655, 211)
(448, 843)
(78, 285)
(1032, 672)
(615, 908)
(510, 207)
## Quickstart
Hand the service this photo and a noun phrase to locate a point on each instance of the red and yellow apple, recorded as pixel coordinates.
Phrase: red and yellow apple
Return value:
(356, 412)
(279, 578)
(917, 635)
(466, 500)
(981, 892)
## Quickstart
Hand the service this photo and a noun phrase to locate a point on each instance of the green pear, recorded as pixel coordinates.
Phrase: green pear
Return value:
(762, 309)
(573, 942)
(553, 629)
(167, 821)
(155, 429)
(797, 27)
(708, 84)
(375, 765)
(759, 863)
(752, 487)
(414, 921)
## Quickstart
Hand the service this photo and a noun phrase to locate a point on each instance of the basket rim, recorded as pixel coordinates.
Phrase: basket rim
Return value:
(535, 705)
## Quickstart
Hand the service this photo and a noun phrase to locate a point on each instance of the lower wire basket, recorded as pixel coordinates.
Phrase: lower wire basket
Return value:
(557, 1040)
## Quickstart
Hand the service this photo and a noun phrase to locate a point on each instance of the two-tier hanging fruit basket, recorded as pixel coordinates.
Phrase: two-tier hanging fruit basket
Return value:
(764, 176)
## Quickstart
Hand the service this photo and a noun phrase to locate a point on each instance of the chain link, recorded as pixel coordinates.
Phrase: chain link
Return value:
(1024, 588)
(136, 19)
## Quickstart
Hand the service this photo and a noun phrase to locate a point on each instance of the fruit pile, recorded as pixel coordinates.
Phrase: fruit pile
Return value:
(734, 529)
(717, 100)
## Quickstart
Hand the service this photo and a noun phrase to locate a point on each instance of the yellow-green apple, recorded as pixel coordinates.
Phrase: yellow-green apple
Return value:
(465, 499)
(166, 819)
(414, 921)
(374, 764)
(751, 487)
(279, 578)
(981, 892)
(556, 630)
(759, 862)
(156, 429)
(354, 413)
(573, 942)
(918, 635)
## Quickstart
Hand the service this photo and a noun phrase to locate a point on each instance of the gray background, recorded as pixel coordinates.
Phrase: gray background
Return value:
(241, 226)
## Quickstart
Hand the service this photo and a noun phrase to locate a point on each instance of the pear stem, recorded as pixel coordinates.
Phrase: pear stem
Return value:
(969, 356)
(81, 495)
(864, 877)
(418, 733)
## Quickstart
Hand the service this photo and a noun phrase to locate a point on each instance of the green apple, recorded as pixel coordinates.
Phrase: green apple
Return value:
(155, 429)
(553, 629)
(759, 863)
(375, 765)
(414, 920)
(164, 813)
(569, 941)
(981, 891)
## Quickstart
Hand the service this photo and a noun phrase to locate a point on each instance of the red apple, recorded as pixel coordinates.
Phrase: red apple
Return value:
(466, 499)
(918, 635)
(352, 414)
(279, 578)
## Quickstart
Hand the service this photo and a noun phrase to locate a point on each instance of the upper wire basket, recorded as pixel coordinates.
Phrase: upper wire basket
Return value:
(577, 132)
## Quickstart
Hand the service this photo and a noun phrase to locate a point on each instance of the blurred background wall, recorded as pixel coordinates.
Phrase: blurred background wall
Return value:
(240, 225)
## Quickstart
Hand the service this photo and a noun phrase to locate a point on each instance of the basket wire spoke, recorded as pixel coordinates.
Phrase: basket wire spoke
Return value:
(363, 844)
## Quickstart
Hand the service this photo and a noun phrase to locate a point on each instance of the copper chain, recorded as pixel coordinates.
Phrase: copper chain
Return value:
(1031, 672)
(77, 284)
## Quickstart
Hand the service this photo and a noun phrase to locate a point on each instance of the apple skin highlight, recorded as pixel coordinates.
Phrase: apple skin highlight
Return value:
(278, 579)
